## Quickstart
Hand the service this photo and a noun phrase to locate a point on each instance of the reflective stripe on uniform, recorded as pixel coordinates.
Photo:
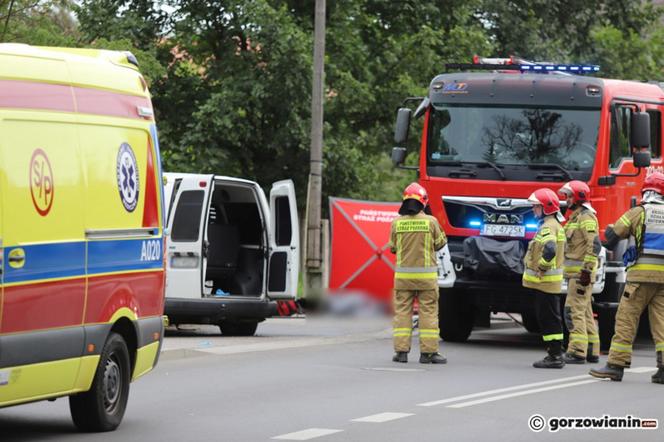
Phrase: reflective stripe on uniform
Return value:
(589, 225)
(577, 337)
(401, 275)
(572, 266)
(548, 276)
(623, 219)
(590, 258)
(399, 249)
(593, 339)
(648, 267)
(429, 333)
(416, 269)
(659, 346)
(555, 337)
(412, 225)
(561, 236)
(622, 348)
(427, 249)
(402, 332)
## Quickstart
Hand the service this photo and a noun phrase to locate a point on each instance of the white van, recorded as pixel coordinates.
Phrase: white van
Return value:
(231, 255)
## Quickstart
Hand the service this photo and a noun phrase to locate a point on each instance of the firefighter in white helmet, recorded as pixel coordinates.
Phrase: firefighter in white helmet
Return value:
(414, 238)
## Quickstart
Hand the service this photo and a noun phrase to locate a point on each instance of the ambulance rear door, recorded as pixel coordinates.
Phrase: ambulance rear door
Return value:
(188, 207)
(284, 240)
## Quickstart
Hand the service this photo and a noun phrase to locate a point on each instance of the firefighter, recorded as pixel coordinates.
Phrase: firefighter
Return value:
(414, 238)
(644, 226)
(544, 273)
(583, 247)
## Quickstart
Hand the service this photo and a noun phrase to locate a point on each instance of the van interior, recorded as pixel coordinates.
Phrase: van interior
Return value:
(236, 242)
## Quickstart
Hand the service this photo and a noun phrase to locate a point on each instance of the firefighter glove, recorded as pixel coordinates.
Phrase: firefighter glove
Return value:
(584, 278)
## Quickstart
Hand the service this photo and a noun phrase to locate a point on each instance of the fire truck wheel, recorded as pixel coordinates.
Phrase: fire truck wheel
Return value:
(238, 328)
(456, 316)
(103, 406)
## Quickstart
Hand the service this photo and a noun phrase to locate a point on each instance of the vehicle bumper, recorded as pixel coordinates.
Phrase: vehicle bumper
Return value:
(215, 310)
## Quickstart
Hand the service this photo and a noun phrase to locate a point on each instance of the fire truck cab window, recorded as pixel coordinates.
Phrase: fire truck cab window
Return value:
(655, 133)
(621, 118)
(513, 136)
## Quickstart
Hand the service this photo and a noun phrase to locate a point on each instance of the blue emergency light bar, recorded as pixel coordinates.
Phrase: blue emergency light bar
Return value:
(573, 68)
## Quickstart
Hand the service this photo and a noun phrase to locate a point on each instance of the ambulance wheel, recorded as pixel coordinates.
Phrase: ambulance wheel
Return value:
(103, 406)
(238, 328)
(455, 315)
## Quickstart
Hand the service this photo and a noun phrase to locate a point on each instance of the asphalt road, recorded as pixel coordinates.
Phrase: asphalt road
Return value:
(332, 380)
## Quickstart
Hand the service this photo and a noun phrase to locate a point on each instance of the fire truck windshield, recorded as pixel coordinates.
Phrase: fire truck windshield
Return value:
(527, 143)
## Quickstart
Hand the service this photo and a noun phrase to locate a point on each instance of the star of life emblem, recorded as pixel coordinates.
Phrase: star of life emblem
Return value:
(127, 173)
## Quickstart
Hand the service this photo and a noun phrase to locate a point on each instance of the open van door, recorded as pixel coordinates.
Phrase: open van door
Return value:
(284, 264)
(186, 214)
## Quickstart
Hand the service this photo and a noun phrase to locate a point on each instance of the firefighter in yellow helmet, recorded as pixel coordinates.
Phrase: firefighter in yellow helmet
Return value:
(644, 226)
(414, 238)
(583, 246)
(544, 274)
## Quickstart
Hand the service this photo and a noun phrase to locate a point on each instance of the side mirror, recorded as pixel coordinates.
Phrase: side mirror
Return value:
(398, 155)
(639, 136)
(402, 127)
(641, 159)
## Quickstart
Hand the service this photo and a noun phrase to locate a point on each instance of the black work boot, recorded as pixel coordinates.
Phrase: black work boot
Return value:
(609, 371)
(658, 378)
(590, 356)
(432, 358)
(400, 356)
(571, 358)
(550, 361)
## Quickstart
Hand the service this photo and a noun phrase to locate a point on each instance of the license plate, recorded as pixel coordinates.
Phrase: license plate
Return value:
(503, 230)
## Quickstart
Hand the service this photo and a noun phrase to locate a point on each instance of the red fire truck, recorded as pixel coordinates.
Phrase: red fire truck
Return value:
(497, 129)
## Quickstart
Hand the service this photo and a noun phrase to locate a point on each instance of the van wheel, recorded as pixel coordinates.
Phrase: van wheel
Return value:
(455, 315)
(103, 406)
(238, 328)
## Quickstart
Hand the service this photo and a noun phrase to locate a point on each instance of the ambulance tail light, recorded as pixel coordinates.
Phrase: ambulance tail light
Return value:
(202, 184)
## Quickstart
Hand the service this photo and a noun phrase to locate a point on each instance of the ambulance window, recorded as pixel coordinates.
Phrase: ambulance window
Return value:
(655, 133)
(187, 220)
(283, 220)
(620, 129)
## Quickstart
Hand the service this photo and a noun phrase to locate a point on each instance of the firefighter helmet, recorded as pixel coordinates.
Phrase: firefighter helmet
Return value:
(547, 198)
(578, 190)
(654, 182)
(416, 192)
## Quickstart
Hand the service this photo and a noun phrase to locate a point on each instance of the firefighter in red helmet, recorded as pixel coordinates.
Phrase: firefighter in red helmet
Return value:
(544, 273)
(414, 238)
(583, 247)
(644, 226)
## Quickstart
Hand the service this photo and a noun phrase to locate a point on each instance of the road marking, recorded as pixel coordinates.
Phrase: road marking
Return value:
(522, 393)
(501, 390)
(641, 369)
(382, 417)
(393, 369)
(309, 433)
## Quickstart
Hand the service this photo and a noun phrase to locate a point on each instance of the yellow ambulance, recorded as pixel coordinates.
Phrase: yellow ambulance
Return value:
(81, 228)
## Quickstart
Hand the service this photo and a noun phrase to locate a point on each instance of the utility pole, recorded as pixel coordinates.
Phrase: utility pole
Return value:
(313, 262)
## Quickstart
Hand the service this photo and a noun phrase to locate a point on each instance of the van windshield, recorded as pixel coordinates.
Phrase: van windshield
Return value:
(560, 141)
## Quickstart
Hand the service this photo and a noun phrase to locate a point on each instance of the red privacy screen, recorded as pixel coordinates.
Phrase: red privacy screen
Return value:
(361, 260)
